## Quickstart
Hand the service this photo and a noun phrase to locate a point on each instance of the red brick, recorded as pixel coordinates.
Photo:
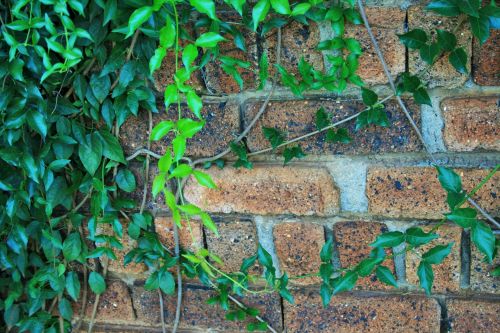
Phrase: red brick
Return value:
(471, 123)
(485, 60)
(442, 72)
(222, 125)
(189, 239)
(237, 241)
(352, 313)
(415, 192)
(298, 246)
(446, 274)
(267, 190)
(352, 240)
(197, 315)
(473, 315)
(297, 118)
(481, 279)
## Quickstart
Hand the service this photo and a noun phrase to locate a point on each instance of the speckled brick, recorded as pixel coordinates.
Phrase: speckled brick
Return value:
(197, 315)
(481, 279)
(298, 246)
(237, 241)
(466, 315)
(297, 41)
(447, 273)
(115, 304)
(267, 190)
(351, 313)
(296, 118)
(189, 238)
(415, 192)
(471, 123)
(217, 80)
(221, 127)
(486, 62)
(442, 72)
(352, 240)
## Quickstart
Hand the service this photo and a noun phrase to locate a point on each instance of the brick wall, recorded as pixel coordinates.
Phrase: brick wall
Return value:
(381, 181)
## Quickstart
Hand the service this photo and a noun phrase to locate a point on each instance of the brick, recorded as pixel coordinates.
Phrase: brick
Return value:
(267, 190)
(352, 240)
(471, 123)
(446, 274)
(191, 241)
(297, 118)
(196, 314)
(351, 313)
(217, 80)
(415, 192)
(116, 267)
(385, 32)
(485, 60)
(473, 315)
(298, 246)
(221, 127)
(237, 241)
(442, 72)
(297, 41)
(115, 304)
(480, 278)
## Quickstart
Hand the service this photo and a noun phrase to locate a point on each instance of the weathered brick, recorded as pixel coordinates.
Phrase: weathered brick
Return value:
(351, 313)
(298, 246)
(217, 80)
(189, 240)
(485, 60)
(197, 315)
(385, 32)
(446, 274)
(442, 72)
(115, 304)
(415, 192)
(471, 123)
(222, 125)
(237, 241)
(297, 118)
(481, 279)
(352, 240)
(267, 190)
(297, 41)
(473, 315)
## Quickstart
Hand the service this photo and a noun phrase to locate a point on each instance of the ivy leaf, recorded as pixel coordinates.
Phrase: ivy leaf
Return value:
(449, 180)
(72, 246)
(301, 9)
(414, 39)
(90, 154)
(97, 283)
(446, 40)
(389, 239)
(444, 7)
(209, 40)
(369, 96)
(259, 12)
(294, 152)
(385, 275)
(437, 254)
(322, 119)
(426, 276)
(422, 97)
(156, 60)
(181, 171)
(470, 7)
(65, 309)
(274, 136)
(341, 135)
(458, 58)
(189, 55)
(416, 236)
(171, 95)
(366, 266)
(326, 294)
(247, 263)
(263, 70)
(464, 217)
(484, 239)
(179, 145)
(125, 180)
(205, 7)
(429, 52)
(265, 259)
(204, 179)
(73, 285)
(111, 148)
(345, 282)
(281, 6)
(326, 251)
(166, 282)
(480, 27)
(209, 223)
(100, 86)
(138, 17)
(194, 103)
(161, 129)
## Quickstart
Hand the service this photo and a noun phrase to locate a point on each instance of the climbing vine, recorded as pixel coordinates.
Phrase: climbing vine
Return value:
(71, 74)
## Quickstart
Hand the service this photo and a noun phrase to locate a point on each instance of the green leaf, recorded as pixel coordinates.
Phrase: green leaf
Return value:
(97, 283)
(209, 223)
(464, 217)
(179, 145)
(301, 9)
(446, 40)
(209, 40)
(265, 258)
(90, 154)
(161, 129)
(426, 276)
(171, 95)
(449, 180)
(125, 180)
(259, 12)
(458, 58)
(322, 119)
(167, 34)
(138, 17)
(205, 7)
(166, 282)
(263, 70)
(111, 148)
(345, 282)
(293, 152)
(100, 86)
(281, 6)
(484, 239)
(469, 7)
(480, 27)
(326, 294)
(353, 45)
(152, 282)
(73, 285)
(204, 179)
(437, 254)
(326, 251)
(366, 266)
(385, 275)
(158, 184)
(72, 246)
(188, 127)
(110, 11)
(422, 97)
(189, 55)
(389, 239)
(247, 263)
(444, 7)
(194, 103)
(274, 136)
(416, 236)
(429, 52)
(181, 171)
(65, 309)
(238, 5)
(369, 96)
(414, 39)
(156, 60)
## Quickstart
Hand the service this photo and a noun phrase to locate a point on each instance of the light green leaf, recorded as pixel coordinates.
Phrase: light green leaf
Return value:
(259, 12)
(138, 17)
(181, 171)
(209, 40)
(194, 103)
(205, 7)
(281, 6)
(204, 179)
(464, 217)
(161, 129)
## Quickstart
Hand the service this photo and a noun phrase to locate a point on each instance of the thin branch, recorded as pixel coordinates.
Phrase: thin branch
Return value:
(97, 297)
(162, 315)
(85, 72)
(483, 212)
(127, 58)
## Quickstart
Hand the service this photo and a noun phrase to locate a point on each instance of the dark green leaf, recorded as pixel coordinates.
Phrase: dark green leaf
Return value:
(385, 275)
(274, 136)
(426, 276)
(65, 309)
(414, 39)
(444, 7)
(437, 254)
(458, 58)
(345, 282)
(429, 52)
(326, 294)
(167, 283)
(389, 239)
(447, 41)
(416, 236)
(322, 119)
(470, 7)
(73, 285)
(125, 180)
(293, 152)
(449, 180)
(484, 239)
(422, 97)
(97, 283)
(464, 217)
(480, 27)
(326, 251)
(369, 96)
(100, 86)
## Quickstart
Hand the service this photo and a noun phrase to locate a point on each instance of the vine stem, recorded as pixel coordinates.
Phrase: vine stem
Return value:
(403, 106)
